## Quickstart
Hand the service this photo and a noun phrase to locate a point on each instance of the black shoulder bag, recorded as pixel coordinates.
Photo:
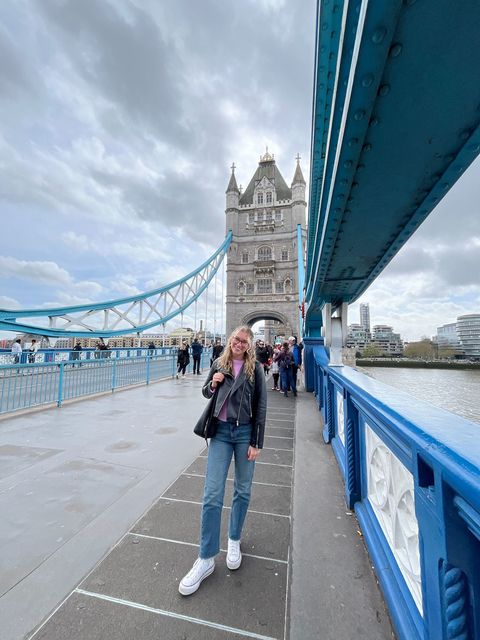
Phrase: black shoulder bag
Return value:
(206, 426)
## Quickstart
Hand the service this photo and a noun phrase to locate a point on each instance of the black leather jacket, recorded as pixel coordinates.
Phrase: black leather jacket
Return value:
(247, 400)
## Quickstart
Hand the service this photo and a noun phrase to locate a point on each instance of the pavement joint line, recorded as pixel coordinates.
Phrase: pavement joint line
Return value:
(266, 484)
(171, 614)
(283, 437)
(273, 464)
(262, 513)
(271, 427)
(275, 449)
(192, 544)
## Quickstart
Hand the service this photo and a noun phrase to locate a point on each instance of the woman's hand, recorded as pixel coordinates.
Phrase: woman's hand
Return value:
(253, 453)
(217, 379)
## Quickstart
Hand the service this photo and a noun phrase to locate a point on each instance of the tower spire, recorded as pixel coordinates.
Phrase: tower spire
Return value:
(298, 176)
(232, 185)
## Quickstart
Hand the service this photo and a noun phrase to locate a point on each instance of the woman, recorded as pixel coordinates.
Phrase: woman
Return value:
(285, 362)
(240, 409)
(183, 359)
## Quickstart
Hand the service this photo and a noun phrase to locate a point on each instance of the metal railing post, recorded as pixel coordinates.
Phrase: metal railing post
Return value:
(60, 385)
(149, 359)
(114, 375)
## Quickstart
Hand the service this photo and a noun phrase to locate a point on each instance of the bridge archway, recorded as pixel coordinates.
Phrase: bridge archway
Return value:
(283, 328)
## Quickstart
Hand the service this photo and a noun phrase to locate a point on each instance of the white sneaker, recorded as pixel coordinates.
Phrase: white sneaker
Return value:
(234, 555)
(201, 569)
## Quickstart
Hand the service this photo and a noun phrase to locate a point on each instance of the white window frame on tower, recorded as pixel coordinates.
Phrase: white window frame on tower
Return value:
(245, 257)
(269, 197)
(264, 285)
(284, 254)
(260, 197)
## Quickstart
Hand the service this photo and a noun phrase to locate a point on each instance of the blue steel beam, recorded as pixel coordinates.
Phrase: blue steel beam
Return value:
(396, 121)
(121, 316)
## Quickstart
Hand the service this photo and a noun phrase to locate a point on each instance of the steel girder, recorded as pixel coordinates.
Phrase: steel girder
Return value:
(118, 317)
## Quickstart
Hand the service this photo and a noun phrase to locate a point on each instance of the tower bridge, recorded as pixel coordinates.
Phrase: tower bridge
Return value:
(395, 123)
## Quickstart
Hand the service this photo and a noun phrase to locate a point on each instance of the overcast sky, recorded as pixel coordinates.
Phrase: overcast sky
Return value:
(119, 121)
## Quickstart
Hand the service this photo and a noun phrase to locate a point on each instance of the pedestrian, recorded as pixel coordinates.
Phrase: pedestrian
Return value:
(197, 355)
(76, 352)
(296, 352)
(183, 359)
(32, 352)
(262, 355)
(151, 348)
(240, 412)
(216, 350)
(285, 362)
(17, 351)
(275, 370)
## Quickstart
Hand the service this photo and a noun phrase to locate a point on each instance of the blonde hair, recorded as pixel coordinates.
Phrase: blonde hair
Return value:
(226, 358)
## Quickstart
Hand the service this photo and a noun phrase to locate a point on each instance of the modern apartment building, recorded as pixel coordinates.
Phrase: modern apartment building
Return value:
(468, 330)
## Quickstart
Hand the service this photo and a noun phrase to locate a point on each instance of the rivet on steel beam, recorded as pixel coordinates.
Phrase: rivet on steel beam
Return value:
(324, 26)
(367, 80)
(367, 146)
(445, 185)
(449, 157)
(374, 121)
(395, 50)
(359, 114)
(464, 135)
(352, 142)
(475, 148)
(409, 3)
(378, 35)
(384, 90)
(322, 49)
(347, 164)
(360, 167)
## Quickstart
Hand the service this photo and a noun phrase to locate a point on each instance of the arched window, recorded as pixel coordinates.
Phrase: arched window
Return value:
(260, 198)
(264, 253)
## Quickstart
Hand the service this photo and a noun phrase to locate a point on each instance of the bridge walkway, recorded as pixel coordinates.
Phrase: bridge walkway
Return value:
(305, 572)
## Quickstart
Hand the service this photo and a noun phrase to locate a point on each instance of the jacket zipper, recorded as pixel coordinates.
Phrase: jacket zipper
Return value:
(241, 401)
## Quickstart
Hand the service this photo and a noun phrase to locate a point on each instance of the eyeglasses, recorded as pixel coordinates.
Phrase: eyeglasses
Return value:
(244, 343)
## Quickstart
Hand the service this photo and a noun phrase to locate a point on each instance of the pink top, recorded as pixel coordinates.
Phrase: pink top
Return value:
(237, 367)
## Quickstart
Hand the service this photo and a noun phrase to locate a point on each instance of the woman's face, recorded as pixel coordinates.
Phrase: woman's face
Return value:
(240, 343)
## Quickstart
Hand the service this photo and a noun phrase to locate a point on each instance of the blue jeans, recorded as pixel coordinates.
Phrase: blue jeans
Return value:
(229, 440)
(288, 381)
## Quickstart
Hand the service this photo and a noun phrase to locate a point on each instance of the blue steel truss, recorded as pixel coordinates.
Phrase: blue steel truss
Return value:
(396, 121)
(118, 317)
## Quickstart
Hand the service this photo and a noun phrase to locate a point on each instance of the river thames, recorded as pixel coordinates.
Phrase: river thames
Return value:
(455, 390)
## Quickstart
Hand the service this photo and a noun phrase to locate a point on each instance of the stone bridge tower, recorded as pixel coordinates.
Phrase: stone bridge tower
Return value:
(262, 267)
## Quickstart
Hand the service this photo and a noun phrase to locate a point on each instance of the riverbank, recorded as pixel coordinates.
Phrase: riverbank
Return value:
(403, 363)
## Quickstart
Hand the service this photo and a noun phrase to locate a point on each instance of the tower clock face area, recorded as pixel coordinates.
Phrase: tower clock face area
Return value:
(262, 264)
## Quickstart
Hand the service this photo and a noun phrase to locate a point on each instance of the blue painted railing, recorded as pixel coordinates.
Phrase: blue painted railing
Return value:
(412, 474)
(23, 386)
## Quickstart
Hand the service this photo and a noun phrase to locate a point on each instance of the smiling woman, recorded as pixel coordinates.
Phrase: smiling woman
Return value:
(236, 388)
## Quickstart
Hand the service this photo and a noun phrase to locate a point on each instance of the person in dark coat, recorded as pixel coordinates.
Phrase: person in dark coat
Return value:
(183, 359)
(217, 351)
(262, 354)
(197, 355)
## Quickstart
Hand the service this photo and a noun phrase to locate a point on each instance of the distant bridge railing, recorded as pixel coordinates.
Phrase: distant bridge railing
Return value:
(24, 386)
(63, 355)
(412, 474)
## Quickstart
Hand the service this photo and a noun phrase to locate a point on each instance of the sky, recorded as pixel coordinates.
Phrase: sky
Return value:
(119, 120)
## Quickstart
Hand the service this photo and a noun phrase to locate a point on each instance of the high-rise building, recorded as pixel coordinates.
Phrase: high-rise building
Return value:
(468, 330)
(365, 316)
(447, 336)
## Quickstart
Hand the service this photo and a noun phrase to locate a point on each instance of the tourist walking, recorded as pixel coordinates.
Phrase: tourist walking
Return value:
(237, 385)
(275, 370)
(183, 359)
(216, 350)
(285, 362)
(32, 352)
(296, 352)
(17, 351)
(262, 355)
(196, 354)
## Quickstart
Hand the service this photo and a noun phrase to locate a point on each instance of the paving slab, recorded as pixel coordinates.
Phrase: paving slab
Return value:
(276, 442)
(266, 473)
(264, 498)
(263, 535)
(88, 618)
(146, 571)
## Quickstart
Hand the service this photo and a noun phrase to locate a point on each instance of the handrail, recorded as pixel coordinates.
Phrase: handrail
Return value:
(412, 474)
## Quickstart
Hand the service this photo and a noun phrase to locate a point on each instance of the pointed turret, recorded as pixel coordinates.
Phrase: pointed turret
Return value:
(298, 177)
(233, 197)
(232, 185)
